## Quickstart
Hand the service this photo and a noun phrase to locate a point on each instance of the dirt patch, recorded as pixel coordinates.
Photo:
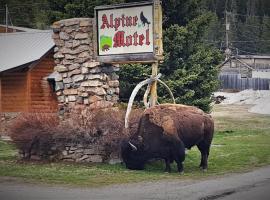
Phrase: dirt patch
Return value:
(232, 116)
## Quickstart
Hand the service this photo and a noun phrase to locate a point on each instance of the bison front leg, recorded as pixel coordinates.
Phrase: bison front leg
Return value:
(168, 166)
(179, 155)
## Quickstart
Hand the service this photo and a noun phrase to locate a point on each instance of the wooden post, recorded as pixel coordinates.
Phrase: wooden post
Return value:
(0, 95)
(153, 94)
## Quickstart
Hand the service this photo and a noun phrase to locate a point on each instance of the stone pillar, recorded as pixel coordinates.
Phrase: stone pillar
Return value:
(82, 81)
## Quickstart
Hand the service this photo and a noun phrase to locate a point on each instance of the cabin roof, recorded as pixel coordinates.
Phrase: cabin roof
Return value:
(23, 29)
(20, 48)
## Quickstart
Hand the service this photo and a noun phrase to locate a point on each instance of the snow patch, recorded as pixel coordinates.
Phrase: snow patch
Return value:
(259, 98)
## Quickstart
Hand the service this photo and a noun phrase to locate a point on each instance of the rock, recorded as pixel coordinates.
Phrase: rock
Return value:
(91, 83)
(66, 50)
(58, 93)
(65, 153)
(70, 91)
(75, 43)
(60, 68)
(61, 99)
(59, 86)
(68, 86)
(74, 72)
(68, 44)
(78, 78)
(96, 91)
(59, 42)
(85, 22)
(64, 36)
(71, 98)
(70, 57)
(94, 76)
(35, 157)
(95, 159)
(84, 55)
(58, 55)
(106, 86)
(67, 80)
(110, 91)
(80, 36)
(117, 90)
(91, 64)
(114, 76)
(89, 151)
(68, 30)
(101, 104)
(85, 70)
(114, 83)
(115, 98)
(70, 22)
(80, 60)
(58, 77)
(94, 98)
(113, 161)
(95, 70)
(87, 41)
(55, 36)
(84, 94)
(84, 157)
(109, 98)
(86, 102)
(56, 25)
(73, 66)
(108, 69)
(85, 29)
(67, 62)
(79, 100)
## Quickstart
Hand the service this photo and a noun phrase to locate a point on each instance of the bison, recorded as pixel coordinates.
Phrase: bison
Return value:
(164, 132)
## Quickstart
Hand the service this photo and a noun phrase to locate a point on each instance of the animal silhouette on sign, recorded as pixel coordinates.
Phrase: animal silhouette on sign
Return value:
(105, 47)
(144, 20)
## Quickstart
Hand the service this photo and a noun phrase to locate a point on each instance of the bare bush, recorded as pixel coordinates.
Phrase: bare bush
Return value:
(33, 132)
(38, 134)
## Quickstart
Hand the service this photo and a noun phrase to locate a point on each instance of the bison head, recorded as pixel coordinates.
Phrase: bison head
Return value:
(133, 154)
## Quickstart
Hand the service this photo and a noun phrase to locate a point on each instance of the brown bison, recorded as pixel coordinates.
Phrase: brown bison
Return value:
(164, 132)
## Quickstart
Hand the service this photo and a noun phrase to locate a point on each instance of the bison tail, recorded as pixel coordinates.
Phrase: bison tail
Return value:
(208, 128)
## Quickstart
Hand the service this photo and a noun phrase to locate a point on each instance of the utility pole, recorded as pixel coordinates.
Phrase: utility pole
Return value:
(227, 28)
(6, 18)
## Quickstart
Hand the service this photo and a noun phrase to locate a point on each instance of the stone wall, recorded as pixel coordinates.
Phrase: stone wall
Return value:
(82, 81)
(74, 152)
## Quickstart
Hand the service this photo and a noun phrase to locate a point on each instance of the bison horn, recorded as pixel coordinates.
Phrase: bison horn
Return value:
(134, 148)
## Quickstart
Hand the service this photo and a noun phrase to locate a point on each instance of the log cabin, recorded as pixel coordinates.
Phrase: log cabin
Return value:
(12, 29)
(26, 62)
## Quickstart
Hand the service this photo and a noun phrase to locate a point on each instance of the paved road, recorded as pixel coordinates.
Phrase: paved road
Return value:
(253, 185)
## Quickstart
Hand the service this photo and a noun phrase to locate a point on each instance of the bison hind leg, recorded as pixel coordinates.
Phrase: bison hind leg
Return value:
(204, 149)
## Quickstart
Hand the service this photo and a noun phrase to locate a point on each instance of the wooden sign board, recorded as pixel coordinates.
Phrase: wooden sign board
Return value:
(129, 33)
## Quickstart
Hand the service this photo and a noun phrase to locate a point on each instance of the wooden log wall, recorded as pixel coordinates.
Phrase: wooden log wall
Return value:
(13, 92)
(29, 90)
(42, 96)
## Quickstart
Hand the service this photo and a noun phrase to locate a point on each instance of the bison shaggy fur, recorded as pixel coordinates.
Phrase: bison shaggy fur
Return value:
(164, 132)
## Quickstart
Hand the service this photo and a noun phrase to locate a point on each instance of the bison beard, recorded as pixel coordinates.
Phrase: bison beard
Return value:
(164, 132)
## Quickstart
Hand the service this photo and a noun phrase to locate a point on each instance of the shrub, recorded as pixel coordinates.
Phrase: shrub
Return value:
(45, 135)
(33, 132)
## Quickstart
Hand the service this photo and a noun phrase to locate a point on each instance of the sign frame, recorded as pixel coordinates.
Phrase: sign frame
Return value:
(148, 57)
